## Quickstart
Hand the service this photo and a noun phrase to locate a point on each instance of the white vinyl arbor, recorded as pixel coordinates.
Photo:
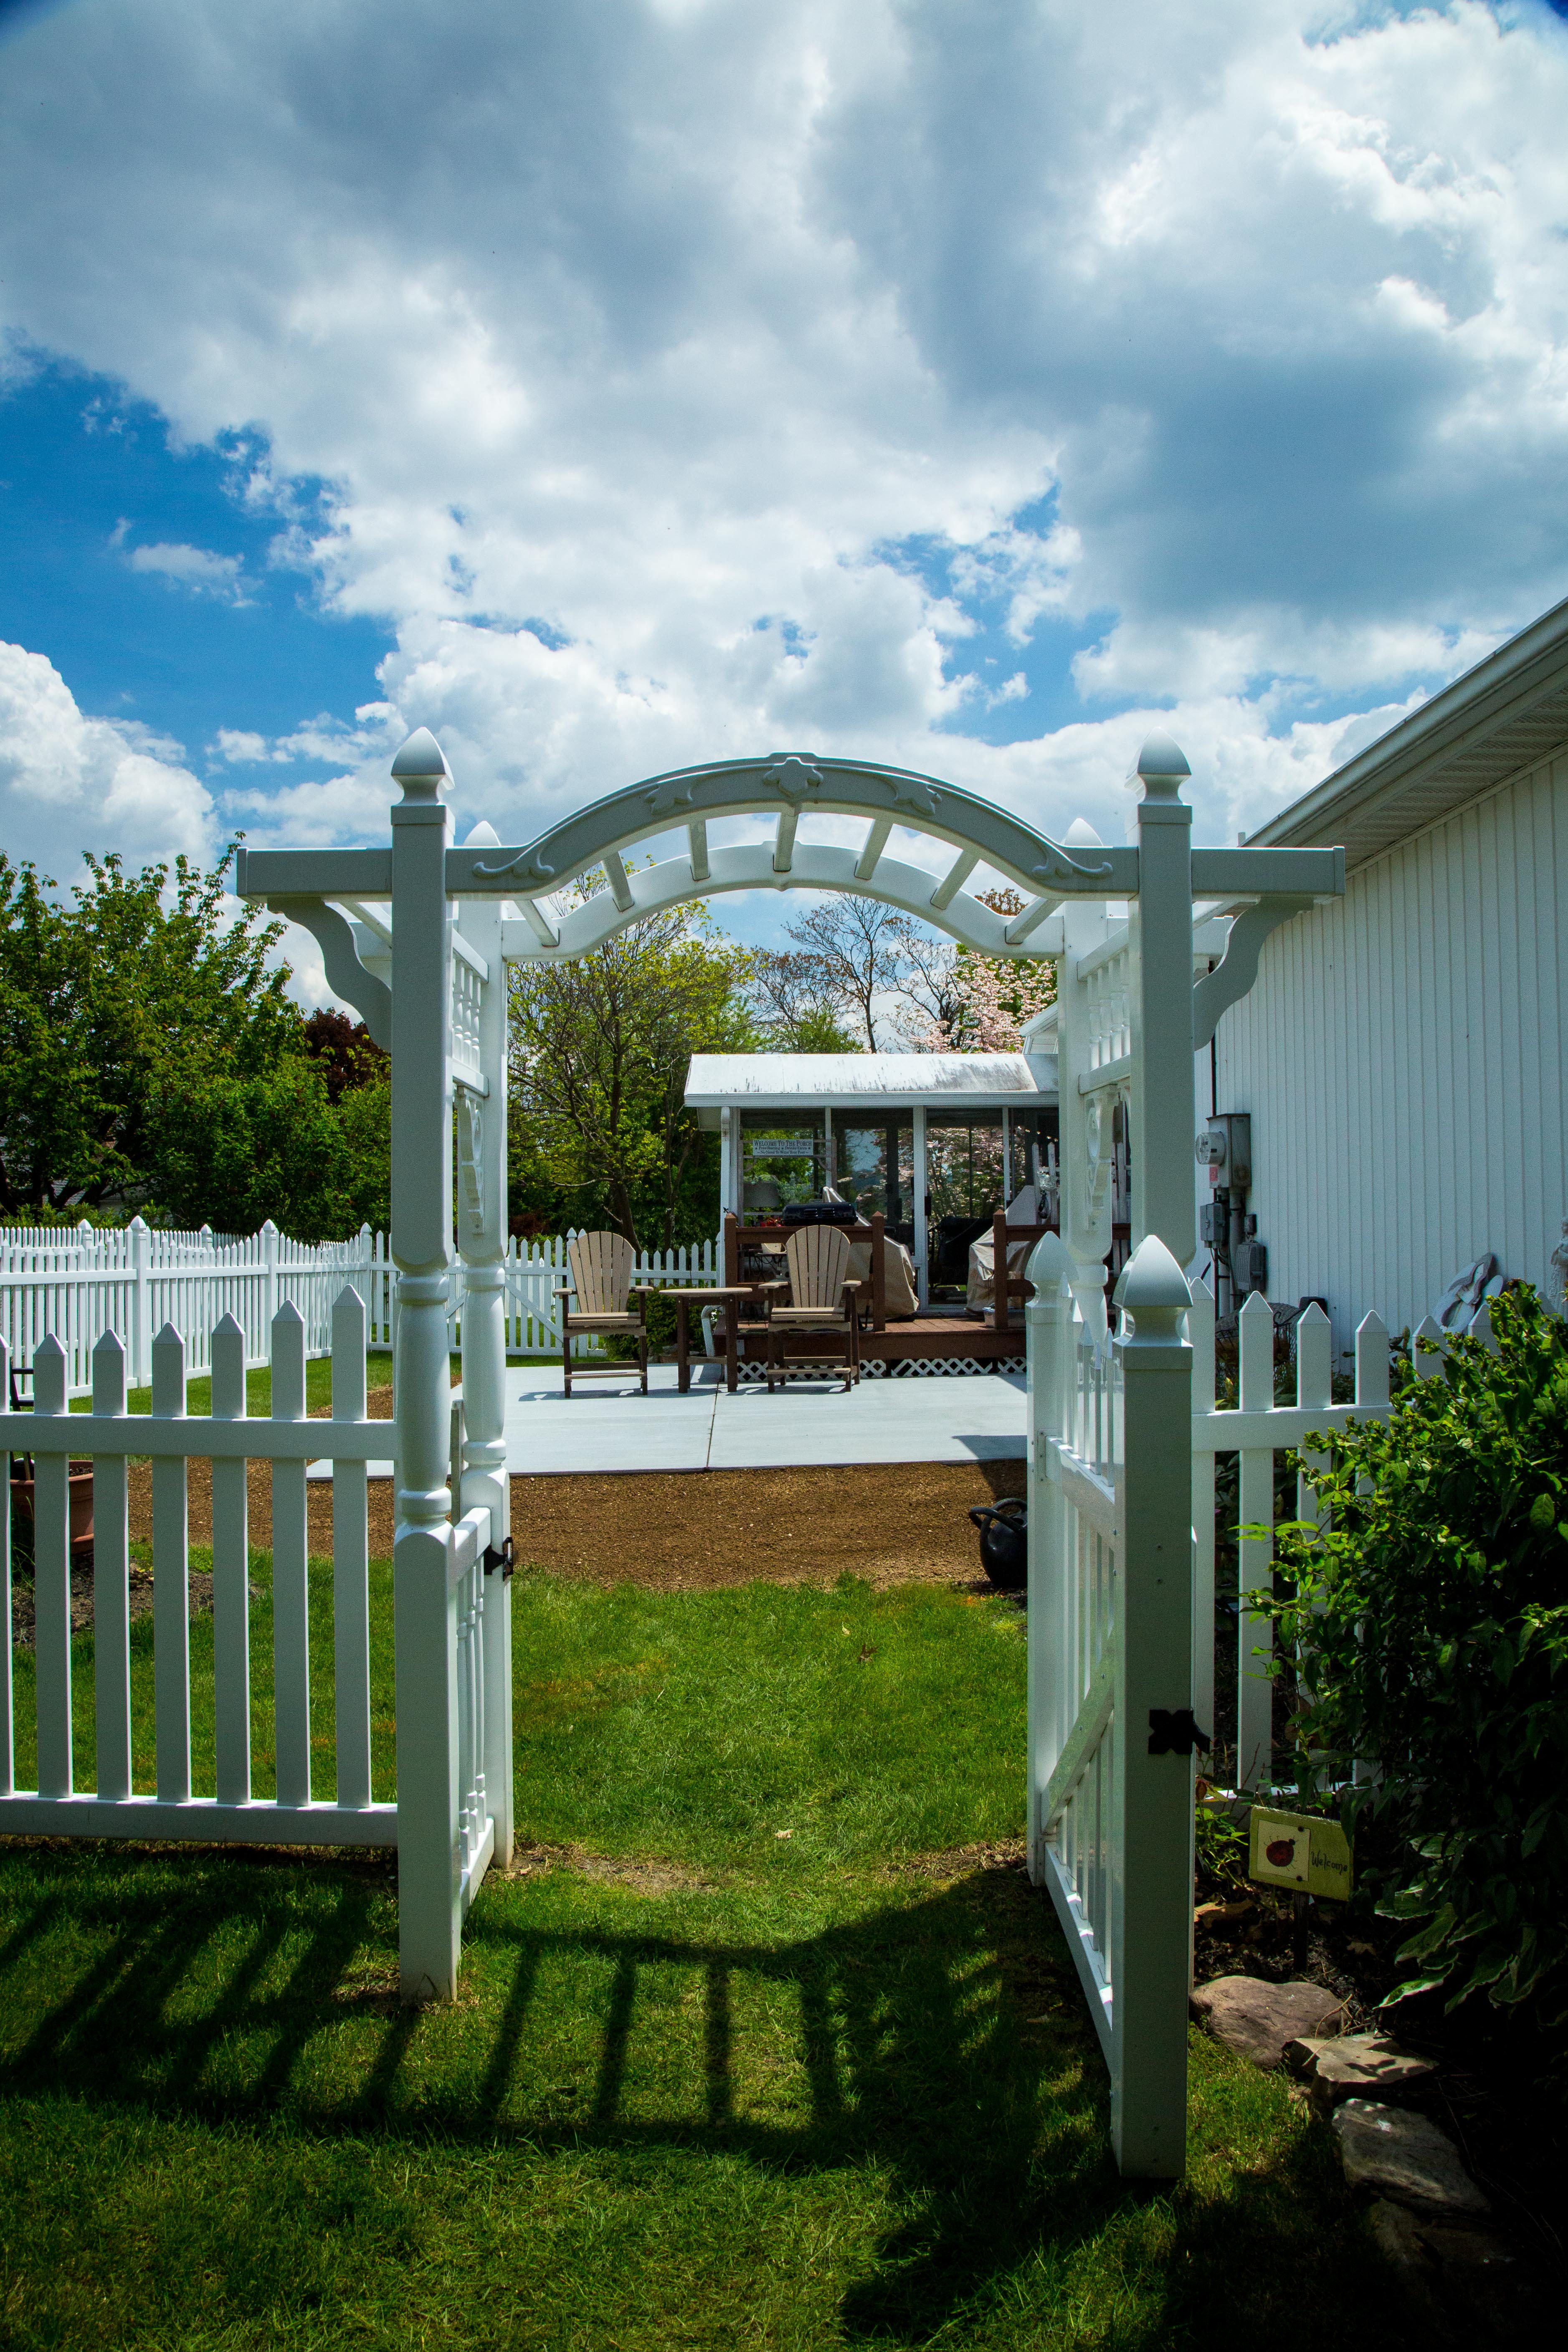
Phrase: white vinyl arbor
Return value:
(416, 937)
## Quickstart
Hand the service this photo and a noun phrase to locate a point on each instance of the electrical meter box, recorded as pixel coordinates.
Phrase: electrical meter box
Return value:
(1252, 1267)
(1224, 1148)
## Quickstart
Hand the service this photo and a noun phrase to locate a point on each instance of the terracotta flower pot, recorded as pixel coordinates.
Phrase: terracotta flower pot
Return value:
(80, 1485)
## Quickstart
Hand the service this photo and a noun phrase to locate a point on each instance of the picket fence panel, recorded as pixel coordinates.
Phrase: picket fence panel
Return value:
(107, 1437)
(1258, 1431)
(76, 1287)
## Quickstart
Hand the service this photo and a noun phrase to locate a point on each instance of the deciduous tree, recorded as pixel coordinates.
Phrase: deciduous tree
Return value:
(600, 1047)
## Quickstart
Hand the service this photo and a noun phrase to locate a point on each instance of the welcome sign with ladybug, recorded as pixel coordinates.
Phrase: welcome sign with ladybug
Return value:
(1301, 1851)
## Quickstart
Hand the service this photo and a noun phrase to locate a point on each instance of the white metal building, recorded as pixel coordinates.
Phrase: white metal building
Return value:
(1402, 1055)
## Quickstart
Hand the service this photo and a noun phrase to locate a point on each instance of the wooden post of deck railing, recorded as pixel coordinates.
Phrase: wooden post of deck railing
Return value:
(999, 1270)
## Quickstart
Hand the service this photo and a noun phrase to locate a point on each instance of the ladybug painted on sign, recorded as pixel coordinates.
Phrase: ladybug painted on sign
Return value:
(1281, 1852)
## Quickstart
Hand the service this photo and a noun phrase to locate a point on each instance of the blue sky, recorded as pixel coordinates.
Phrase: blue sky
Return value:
(612, 388)
(95, 503)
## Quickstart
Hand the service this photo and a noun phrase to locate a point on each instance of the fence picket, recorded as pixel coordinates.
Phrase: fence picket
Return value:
(171, 1582)
(52, 1577)
(7, 1716)
(350, 1561)
(1255, 1633)
(1314, 1388)
(1200, 1332)
(290, 1576)
(231, 1575)
(110, 1582)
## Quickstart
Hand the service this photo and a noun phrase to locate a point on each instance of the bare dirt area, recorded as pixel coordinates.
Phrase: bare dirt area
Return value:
(888, 1523)
(258, 1487)
(651, 1877)
(894, 1523)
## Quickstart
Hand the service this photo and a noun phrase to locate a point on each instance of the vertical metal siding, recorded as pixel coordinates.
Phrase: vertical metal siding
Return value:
(1403, 1058)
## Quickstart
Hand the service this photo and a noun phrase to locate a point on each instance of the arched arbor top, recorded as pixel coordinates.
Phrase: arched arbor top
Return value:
(966, 833)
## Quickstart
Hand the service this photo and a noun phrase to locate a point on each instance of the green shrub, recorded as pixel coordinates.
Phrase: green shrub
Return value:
(661, 1313)
(1430, 1627)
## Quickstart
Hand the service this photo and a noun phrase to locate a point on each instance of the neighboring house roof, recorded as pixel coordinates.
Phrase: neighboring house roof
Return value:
(1501, 716)
(864, 1081)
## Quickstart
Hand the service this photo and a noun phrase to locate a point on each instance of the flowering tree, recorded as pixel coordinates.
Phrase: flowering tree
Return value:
(992, 996)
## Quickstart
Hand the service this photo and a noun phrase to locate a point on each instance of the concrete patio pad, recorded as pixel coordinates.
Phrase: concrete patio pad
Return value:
(609, 1425)
(605, 1426)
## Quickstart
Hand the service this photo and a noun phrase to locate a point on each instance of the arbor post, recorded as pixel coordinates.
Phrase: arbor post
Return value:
(424, 1596)
(1160, 932)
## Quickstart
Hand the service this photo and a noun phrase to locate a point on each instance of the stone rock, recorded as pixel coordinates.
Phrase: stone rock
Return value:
(1355, 2066)
(1257, 2020)
(1468, 2285)
(1405, 2156)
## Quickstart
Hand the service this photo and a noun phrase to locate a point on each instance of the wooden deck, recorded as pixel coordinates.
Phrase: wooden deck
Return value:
(935, 1334)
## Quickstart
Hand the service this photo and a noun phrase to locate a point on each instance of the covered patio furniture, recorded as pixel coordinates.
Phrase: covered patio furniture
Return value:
(602, 1265)
(823, 1304)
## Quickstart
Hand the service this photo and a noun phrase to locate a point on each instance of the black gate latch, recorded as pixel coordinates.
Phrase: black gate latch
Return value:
(1174, 1732)
(504, 1559)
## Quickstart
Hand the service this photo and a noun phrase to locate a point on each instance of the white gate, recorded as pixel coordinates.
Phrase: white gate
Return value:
(1113, 1730)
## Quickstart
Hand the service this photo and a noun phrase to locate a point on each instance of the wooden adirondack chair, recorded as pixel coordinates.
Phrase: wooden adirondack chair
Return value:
(602, 1265)
(822, 1300)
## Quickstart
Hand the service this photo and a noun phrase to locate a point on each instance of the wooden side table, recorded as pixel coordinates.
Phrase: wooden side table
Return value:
(708, 1296)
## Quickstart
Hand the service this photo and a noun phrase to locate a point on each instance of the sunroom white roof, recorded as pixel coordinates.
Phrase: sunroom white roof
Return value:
(864, 1081)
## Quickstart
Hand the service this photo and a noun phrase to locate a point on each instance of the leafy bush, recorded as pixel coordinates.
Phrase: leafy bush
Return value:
(1430, 1624)
(661, 1313)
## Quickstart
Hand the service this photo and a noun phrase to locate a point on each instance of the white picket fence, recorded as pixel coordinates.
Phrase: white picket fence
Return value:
(55, 1438)
(1259, 1431)
(75, 1285)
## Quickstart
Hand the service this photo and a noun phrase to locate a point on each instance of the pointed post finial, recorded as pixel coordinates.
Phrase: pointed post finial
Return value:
(1153, 1290)
(1161, 764)
(420, 767)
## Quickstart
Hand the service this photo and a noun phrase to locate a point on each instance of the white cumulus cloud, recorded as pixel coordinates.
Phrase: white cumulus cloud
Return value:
(70, 782)
(196, 567)
(690, 379)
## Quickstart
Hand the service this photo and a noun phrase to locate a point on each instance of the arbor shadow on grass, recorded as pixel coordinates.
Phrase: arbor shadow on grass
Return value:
(940, 2041)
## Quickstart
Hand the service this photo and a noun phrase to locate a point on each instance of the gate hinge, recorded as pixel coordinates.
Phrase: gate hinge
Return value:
(1172, 1731)
(505, 1558)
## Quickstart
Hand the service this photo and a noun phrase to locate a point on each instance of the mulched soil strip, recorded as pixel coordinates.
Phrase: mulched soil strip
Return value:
(891, 1523)
(887, 1523)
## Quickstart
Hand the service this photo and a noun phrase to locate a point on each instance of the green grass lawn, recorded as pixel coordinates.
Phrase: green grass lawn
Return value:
(258, 1387)
(783, 2090)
